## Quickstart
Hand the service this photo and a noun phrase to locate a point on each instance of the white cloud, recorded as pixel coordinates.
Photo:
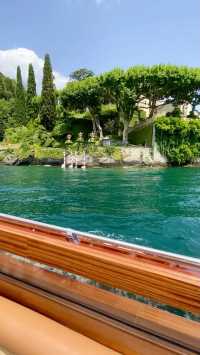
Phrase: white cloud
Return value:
(11, 58)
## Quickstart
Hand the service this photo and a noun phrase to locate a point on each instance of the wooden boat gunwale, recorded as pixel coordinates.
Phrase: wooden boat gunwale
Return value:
(173, 283)
(99, 240)
(154, 274)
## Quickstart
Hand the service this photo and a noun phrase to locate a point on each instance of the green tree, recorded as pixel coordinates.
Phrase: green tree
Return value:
(10, 86)
(6, 112)
(48, 96)
(2, 87)
(20, 111)
(126, 97)
(85, 95)
(31, 111)
(139, 88)
(163, 84)
(81, 74)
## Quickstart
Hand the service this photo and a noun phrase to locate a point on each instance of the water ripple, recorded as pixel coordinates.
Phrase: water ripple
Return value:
(159, 208)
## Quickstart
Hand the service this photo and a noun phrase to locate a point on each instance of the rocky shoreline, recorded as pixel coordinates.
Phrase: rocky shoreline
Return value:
(105, 162)
(126, 156)
(31, 160)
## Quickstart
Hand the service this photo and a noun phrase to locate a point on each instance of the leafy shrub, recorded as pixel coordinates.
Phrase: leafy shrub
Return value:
(181, 155)
(6, 110)
(2, 156)
(116, 153)
(178, 139)
(53, 153)
(33, 133)
(100, 151)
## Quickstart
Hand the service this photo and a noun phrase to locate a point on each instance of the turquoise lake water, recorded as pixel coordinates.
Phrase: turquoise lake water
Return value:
(159, 208)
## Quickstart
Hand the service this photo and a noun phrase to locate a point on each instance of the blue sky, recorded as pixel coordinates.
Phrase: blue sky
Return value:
(100, 34)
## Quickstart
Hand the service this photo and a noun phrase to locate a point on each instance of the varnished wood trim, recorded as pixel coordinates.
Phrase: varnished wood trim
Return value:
(164, 285)
(133, 313)
(109, 332)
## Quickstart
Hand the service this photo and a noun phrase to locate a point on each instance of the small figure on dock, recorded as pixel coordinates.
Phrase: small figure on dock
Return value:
(69, 139)
(93, 138)
(81, 148)
(80, 138)
(84, 161)
(68, 143)
(63, 166)
(80, 143)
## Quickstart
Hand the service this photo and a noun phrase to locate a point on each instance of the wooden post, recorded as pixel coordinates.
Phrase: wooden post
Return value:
(153, 141)
(64, 161)
(84, 161)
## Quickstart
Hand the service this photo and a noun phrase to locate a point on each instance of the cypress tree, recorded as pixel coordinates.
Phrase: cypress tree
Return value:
(48, 97)
(31, 111)
(20, 110)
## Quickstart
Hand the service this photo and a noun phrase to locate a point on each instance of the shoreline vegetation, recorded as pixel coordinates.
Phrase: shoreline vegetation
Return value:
(131, 156)
(145, 116)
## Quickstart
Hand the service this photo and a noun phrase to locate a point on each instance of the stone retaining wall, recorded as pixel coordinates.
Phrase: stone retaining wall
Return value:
(130, 156)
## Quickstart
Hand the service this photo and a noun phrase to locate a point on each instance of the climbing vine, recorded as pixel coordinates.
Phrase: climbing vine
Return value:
(178, 139)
